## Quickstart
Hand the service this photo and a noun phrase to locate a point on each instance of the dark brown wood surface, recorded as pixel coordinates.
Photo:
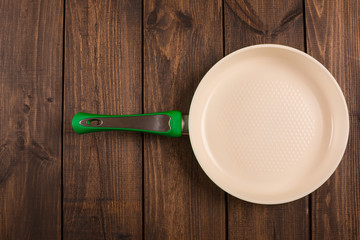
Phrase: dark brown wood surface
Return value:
(255, 22)
(125, 57)
(102, 174)
(182, 40)
(333, 37)
(30, 109)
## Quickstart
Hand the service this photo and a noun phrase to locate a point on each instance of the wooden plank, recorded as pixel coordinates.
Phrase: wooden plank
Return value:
(254, 22)
(102, 171)
(30, 110)
(182, 40)
(333, 34)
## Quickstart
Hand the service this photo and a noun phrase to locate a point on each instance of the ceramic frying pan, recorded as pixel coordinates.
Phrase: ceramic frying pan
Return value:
(268, 124)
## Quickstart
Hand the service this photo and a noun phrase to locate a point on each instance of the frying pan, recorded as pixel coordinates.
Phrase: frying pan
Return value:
(267, 123)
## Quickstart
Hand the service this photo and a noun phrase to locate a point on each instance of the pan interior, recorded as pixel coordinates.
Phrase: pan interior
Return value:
(268, 124)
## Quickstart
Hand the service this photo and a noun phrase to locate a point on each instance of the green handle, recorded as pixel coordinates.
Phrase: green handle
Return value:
(163, 123)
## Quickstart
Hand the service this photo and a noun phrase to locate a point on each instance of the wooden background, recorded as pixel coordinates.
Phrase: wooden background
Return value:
(58, 57)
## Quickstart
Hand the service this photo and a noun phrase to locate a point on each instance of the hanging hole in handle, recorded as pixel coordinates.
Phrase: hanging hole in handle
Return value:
(95, 122)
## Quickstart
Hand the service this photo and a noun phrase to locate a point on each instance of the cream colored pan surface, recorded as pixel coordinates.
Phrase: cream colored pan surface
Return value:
(268, 124)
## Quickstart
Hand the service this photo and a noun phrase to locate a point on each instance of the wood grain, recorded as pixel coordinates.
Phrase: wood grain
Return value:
(255, 22)
(102, 171)
(333, 33)
(182, 40)
(30, 110)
